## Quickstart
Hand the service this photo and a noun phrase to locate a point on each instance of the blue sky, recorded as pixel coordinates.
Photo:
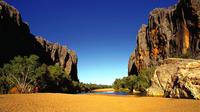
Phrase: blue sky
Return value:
(102, 32)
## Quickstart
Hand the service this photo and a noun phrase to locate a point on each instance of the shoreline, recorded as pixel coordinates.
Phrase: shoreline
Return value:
(104, 90)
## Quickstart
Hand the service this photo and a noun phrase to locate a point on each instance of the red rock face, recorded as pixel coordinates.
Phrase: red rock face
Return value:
(16, 39)
(171, 32)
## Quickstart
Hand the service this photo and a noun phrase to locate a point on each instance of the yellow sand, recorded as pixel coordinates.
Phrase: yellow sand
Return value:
(49, 102)
(104, 90)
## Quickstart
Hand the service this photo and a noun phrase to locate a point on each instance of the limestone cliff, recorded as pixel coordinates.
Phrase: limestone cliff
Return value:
(170, 32)
(16, 39)
(179, 78)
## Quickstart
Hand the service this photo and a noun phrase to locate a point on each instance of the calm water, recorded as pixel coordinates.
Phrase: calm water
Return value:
(108, 93)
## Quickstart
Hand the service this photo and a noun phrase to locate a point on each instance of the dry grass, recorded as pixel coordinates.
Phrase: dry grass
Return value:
(48, 102)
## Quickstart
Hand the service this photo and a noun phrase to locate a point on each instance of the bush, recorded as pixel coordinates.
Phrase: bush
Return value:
(147, 74)
(85, 87)
(130, 82)
(2, 84)
(143, 83)
(21, 72)
(117, 84)
(134, 82)
(27, 75)
(54, 79)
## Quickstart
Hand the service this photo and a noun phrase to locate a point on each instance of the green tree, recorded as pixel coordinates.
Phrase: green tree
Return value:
(54, 80)
(138, 82)
(143, 83)
(145, 76)
(56, 72)
(21, 72)
(117, 84)
(131, 82)
(148, 72)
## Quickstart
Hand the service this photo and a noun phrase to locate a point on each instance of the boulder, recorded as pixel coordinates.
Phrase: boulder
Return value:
(177, 78)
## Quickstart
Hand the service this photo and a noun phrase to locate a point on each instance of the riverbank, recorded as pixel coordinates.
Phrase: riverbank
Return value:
(55, 102)
(104, 90)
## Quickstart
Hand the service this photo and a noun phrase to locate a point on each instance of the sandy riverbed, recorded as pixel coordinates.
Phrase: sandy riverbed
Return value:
(104, 90)
(51, 102)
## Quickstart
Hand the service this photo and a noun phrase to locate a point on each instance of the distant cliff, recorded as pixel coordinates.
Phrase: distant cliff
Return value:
(16, 39)
(171, 32)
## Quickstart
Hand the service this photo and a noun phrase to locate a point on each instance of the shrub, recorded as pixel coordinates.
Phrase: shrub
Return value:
(130, 82)
(85, 87)
(117, 84)
(21, 72)
(26, 74)
(147, 74)
(54, 79)
(134, 82)
(143, 83)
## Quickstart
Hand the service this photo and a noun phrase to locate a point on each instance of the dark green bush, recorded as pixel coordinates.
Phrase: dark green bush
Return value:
(147, 74)
(26, 73)
(21, 73)
(135, 82)
(85, 87)
(117, 84)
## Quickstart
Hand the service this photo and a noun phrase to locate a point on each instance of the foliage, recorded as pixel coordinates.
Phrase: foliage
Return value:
(3, 85)
(56, 72)
(126, 82)
(135, 82)
(26, 73)
(85, 87)
(147, 74)
(21, 72)
(117, 84)
(143, 83)
(54, 79)
(131, 82)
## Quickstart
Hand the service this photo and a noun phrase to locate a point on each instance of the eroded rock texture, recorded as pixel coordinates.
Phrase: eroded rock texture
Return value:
(179, 78)
(16, 39)
(171, 32)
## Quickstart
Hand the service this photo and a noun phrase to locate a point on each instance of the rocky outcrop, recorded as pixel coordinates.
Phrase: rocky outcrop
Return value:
(16, 39)
(178, 78)
(170, 32)
(61, 56)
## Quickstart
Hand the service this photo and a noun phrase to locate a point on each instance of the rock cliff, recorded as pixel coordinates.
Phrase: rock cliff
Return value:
(179, 78)
(16, 39)
(170, 32)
